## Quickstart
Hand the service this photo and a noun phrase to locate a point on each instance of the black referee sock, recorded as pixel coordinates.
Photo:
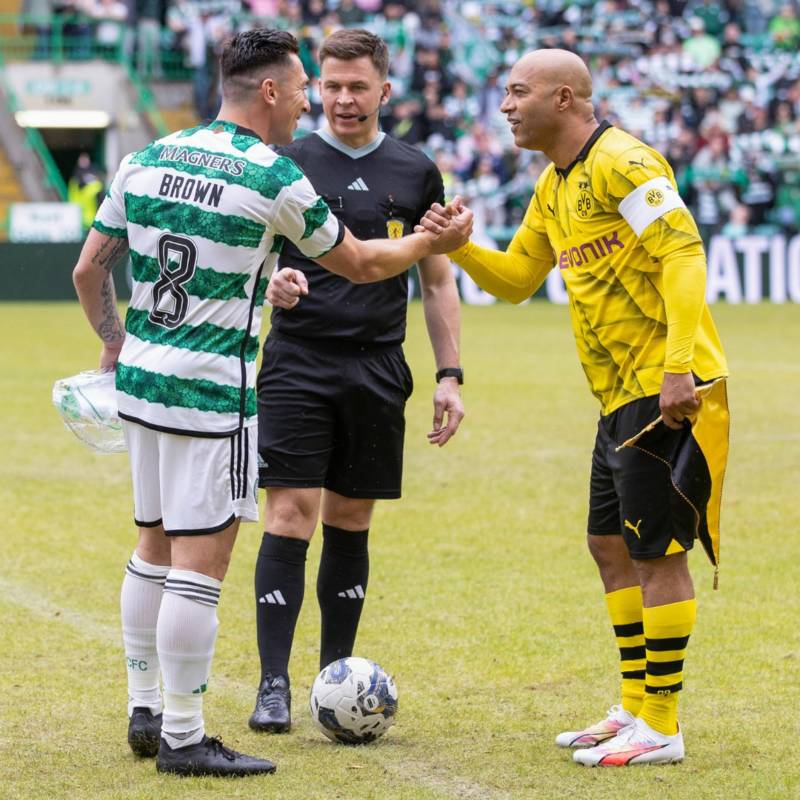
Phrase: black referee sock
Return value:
(341, 586)
(280, 583)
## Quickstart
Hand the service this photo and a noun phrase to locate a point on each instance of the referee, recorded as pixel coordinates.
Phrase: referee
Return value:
(334, 381)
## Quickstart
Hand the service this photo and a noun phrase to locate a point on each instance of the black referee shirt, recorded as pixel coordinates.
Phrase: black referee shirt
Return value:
(379, 190)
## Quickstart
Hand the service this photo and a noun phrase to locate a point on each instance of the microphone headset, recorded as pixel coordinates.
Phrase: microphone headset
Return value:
(365, 117)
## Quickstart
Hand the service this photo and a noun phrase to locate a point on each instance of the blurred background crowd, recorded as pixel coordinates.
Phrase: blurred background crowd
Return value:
(713, 84)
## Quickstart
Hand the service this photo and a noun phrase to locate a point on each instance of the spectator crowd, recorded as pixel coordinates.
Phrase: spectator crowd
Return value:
(713, 84)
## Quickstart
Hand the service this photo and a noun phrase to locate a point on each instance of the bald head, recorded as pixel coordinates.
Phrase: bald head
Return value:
(556, 68)
(549, 103)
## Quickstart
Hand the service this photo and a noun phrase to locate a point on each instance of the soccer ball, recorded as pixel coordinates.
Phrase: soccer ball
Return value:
(353, 701)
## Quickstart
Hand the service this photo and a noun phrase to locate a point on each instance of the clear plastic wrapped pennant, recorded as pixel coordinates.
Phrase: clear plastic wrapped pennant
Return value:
(87, 403)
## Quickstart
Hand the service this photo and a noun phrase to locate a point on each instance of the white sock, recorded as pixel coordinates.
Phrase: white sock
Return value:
(140, 600)
(187, 631)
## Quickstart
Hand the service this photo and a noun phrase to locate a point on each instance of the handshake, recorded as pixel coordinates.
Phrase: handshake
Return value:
(450, 224)
(442, 230)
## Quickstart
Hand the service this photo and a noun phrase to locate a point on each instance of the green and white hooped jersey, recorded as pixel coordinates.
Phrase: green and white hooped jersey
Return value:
(205, 212)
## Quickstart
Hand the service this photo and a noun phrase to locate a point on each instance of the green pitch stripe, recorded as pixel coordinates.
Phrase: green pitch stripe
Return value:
(200, 394)
(266, 180)
(178, 217)
(207, 284)
(315, 217)
(204, 338)
(119, 233)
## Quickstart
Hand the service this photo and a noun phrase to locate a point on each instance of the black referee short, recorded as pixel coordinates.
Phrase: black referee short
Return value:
(332, 415)
(631, 492)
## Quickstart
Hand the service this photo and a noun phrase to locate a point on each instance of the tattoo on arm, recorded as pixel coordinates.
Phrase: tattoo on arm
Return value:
(110, 328)
(110, 253)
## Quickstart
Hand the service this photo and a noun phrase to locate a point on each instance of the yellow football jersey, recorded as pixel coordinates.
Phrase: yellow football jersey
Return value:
(607, 221)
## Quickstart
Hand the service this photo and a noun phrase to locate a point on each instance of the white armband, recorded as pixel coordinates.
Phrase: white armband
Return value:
(648, 202)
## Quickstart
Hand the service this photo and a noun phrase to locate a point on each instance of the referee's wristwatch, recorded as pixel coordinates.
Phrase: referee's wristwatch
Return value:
(451, 372)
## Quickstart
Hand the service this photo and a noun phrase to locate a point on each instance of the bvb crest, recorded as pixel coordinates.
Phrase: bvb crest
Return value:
(394, 227)
(584, 205)
(655, 197)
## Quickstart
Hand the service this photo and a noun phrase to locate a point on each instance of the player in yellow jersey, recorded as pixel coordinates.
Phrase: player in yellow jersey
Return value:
(608, 214)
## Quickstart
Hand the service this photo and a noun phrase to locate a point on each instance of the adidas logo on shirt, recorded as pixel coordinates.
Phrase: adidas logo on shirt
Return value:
(356, 593)
(358, 185)
(273, 598)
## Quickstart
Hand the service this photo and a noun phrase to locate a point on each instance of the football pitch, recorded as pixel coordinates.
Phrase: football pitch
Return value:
(483, 601)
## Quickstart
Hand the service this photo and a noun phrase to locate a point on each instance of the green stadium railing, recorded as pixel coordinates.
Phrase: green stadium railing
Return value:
(58, 38)
(145, 103)
(33, 139)
(69, 38)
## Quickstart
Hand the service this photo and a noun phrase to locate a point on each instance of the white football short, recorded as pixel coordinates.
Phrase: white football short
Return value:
(189, 484)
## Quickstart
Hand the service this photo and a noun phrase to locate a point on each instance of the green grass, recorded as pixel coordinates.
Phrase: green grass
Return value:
(483, 601)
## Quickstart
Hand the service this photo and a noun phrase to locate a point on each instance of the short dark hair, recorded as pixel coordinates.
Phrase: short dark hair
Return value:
(249, 51)
(352, 43)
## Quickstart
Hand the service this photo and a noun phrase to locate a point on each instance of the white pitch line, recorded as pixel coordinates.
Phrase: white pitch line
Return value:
(88, 627)
(44, 607)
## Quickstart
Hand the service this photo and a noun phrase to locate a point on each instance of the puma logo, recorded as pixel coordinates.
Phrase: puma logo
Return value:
(637, 163)
(634, 528)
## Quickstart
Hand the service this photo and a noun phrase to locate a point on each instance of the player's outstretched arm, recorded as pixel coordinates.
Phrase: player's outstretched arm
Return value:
(286, 287)
(366, 261)
(95, 287)
(513, 275)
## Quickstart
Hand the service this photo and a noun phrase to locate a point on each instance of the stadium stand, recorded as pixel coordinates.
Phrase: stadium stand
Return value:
(715, 84)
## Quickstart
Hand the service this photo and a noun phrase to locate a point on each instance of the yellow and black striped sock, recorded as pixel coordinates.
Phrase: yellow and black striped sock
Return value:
(667, 629)
(625, 610)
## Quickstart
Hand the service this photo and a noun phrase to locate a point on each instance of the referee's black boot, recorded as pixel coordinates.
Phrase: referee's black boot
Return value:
(272, 713)
(209, 757)
(144, 732)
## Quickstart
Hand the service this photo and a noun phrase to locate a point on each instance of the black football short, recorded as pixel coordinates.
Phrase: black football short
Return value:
(332, 416)
(631, 492)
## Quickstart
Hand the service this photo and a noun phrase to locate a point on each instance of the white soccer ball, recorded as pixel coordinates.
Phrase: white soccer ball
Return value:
(353, 701)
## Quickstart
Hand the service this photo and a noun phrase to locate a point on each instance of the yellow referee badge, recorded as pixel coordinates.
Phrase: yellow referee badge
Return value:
(394, 227)
(654, 198)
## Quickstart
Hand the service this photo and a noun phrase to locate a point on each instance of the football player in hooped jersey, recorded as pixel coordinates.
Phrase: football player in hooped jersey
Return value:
(334, 382)
(203, 214)
(608, 214)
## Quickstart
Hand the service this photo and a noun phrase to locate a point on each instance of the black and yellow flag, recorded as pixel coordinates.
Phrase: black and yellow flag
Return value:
(697, 461)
